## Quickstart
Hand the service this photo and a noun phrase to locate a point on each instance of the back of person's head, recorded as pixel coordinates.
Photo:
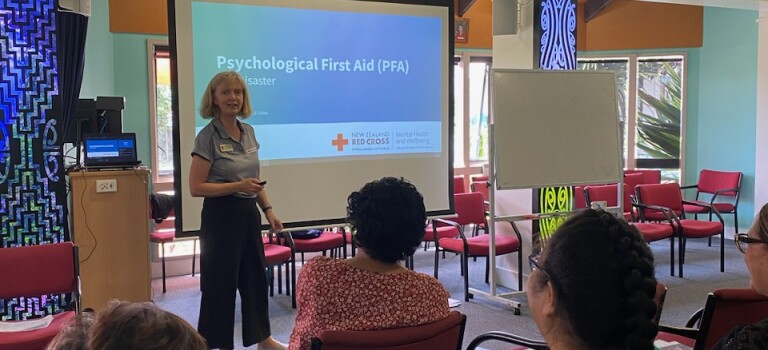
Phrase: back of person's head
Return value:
(762, 222)
(134, 326)
(74, 335)
(388, 217)
(603, 274)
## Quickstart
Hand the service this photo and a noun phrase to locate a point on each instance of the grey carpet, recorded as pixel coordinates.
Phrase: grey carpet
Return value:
(684, 296)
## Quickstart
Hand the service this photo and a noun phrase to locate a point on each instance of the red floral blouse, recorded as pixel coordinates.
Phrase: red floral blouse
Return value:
(333, 295)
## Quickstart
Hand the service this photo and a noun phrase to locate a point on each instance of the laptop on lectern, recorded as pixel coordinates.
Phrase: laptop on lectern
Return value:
(110, 151)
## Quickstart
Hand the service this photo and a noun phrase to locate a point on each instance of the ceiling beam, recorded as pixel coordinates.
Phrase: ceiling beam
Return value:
(734, 4)
(592, 7)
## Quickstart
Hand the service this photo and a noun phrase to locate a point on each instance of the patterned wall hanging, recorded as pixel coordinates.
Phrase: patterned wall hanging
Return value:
(555, 33)
(32, 184)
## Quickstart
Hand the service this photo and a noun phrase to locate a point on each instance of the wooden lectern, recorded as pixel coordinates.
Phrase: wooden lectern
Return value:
(110, 225)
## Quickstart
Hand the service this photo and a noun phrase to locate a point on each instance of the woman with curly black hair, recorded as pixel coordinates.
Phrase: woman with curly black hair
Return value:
(371, 290)
(593, 286)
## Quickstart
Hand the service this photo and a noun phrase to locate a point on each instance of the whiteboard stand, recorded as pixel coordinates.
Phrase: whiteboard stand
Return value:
(530, 106)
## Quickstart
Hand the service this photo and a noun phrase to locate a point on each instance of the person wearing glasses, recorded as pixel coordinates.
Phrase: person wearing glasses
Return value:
(754, 245)
(593, 285)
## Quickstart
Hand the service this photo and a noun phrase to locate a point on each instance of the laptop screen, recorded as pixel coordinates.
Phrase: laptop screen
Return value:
(110, 150)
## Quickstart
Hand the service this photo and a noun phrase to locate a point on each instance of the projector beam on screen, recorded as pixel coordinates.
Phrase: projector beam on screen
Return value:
(343, 92)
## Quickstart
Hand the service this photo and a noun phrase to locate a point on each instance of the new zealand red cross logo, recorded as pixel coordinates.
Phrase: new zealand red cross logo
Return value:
(340, 142)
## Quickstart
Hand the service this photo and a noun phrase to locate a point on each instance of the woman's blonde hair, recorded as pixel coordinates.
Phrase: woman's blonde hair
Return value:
(209, 110)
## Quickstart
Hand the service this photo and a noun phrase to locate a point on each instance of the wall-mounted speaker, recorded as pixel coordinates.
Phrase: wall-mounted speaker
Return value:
(504, 17)
(82, 7)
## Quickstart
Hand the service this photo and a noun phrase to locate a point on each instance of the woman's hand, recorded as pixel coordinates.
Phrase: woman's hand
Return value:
(250, 186)
(275, 224)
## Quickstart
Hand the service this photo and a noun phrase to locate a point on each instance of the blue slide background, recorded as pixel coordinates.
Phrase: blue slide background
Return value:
(321, 96)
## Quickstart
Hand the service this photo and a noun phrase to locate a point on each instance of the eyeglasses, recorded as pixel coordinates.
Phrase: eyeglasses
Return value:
(743, 240)
(533, 260)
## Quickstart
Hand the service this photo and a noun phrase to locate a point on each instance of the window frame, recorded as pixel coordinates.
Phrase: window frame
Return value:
(469, 167)
(160, 182)
(632, 96)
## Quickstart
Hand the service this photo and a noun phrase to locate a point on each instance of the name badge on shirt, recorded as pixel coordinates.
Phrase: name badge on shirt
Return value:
(252, 150)
(225, 147)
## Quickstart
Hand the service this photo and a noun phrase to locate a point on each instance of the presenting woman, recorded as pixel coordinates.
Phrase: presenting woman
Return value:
(225, 171)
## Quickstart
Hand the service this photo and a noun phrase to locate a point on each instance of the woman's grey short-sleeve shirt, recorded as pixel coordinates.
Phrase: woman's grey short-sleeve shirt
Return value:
(231, 160)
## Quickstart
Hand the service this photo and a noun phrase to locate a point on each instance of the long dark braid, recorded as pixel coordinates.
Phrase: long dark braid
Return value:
(603, 272)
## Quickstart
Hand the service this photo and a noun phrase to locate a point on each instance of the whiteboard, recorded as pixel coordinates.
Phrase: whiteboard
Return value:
(554, 128)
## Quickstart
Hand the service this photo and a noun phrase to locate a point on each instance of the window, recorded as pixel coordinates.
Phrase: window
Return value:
(161, 120)
(471, 112)
(651, 109)
(161, 115)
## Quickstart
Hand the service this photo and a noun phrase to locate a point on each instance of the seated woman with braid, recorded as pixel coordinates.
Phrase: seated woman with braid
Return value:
(593, 286)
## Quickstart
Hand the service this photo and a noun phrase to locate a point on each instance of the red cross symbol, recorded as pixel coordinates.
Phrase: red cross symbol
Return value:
(340, 142)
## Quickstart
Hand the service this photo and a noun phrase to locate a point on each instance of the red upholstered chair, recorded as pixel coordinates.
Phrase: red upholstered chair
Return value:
(279, 251)
(34, 271)
(664, 201)
(579, 200)
(724, 310)
(458, 184)
(482, 187)
(507, 338)
(470, 211)
(162, 233)
(328, 240)
(651, 231)
(478, 178)
(722, 188)
(651, 176)
(446, 334)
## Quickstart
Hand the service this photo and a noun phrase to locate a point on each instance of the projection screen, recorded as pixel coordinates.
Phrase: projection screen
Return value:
(343, 92)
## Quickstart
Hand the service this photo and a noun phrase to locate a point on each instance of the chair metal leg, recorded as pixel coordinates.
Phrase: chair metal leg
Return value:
(520, 269)
(270, 271)
(722, 250)
(287, 278)
(735, 222)
(680, 256)
(194, 255)
(279, 278)
(465, 263)
(672, 256)
(162, 257)
(487, 267)
(293, 282)
(437, 260)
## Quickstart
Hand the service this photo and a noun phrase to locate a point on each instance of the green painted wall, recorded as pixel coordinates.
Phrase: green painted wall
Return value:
(725, 133)
(721, 96)
(116, 65)
(98, 77)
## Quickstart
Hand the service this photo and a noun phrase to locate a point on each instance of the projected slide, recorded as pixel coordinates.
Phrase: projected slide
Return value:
(325, 83)
(343, 92)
